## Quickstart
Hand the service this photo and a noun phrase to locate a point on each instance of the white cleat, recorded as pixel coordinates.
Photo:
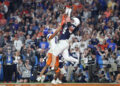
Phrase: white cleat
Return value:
(38, 79)
(58, 81)
(42, 78)
(53, 81)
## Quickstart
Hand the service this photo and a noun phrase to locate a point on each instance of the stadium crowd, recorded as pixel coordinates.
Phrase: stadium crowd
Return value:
(24, 25)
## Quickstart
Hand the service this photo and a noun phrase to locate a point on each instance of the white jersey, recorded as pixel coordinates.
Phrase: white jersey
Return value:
(52, 43)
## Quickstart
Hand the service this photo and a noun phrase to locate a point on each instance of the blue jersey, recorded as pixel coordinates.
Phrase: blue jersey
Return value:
(66, 32)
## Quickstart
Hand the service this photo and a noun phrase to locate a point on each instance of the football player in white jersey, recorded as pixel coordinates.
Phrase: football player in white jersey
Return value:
(52, 43)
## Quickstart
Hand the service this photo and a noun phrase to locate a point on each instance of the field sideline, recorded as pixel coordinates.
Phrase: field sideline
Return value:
(64, 84)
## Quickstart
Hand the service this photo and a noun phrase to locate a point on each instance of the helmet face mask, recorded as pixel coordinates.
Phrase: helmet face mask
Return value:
(72, 20)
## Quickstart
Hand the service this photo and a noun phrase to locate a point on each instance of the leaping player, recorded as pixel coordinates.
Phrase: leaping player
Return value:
(52, 43)
(63, 44)
(53, 47)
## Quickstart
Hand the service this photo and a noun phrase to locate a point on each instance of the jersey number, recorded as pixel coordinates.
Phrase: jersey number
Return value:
(64, 30)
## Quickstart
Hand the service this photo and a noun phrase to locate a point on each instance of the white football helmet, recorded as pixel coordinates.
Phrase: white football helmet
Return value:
(76, 21)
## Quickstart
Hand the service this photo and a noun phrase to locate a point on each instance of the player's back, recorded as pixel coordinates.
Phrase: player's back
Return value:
(65, 33)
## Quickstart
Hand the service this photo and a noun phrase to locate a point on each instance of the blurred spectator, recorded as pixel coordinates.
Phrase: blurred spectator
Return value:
(3, 22)
(112, 46)
(26, 71)
(17, 57)
(17, 44)
(41, 64)
(44, 44)
(19, 70)
(1, 65)
(1, 39)
(8, 66)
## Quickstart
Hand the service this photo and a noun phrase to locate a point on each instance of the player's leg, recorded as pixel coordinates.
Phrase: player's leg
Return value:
(63, 19)
(55, 78)
(67, 57)
(57, 72)
(43, 70)
(58, 78)
(57, 64)
(53, 62)
(49, 60)
(61, 46)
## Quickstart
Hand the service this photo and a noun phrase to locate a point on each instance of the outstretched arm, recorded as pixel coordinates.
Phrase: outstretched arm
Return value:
(55, 33)
(65, 19)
